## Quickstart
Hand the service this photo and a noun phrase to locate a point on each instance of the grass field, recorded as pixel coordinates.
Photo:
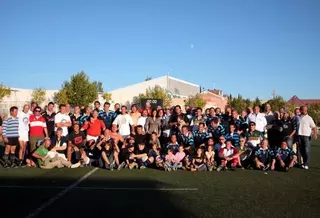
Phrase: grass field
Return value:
(59, 193)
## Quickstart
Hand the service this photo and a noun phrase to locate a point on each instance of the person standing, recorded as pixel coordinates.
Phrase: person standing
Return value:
(306, 128)
(289, 129)
(107, 115)
(38, 126)
(124, 123)
(11, 137)
(259, 119)
(62, 119)
(135, 114)
(23, 132)
(49, 115)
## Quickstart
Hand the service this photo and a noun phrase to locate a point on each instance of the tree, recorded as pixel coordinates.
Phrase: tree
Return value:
(98, 86)
(107, 96)
(4, 91)
(276, 103)
(157, 92)
(238, 103)
(195, 101)
(38, 95)
(61, 97)
(256, 102)
(314, 112)
(148, 78)
(78, 91)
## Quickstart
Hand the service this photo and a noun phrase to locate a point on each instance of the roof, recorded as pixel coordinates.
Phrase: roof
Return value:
(213, 94)
(300, 102)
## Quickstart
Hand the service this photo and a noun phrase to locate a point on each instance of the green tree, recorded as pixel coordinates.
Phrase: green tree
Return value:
(238, 103)
(314, 112)
(61, 97)
(195, 101)
(157, 92)
(4, 91)
(38, 95)
(107, 96)
(276, 103)
(256, 102)
(98, 86)
(148, 78)
(78, 91)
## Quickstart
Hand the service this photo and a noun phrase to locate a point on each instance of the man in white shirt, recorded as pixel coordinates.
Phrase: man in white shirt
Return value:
(142, 120)
(306, 128)
(62, 119)
(23, 131)
(259, 119)
(124, 122)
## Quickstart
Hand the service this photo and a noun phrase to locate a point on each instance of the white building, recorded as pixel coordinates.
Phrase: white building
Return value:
(177, 89)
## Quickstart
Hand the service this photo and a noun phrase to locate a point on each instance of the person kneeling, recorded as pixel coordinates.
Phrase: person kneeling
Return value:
(228, 155)
(285, 157)
(263, 157)
(50, 159)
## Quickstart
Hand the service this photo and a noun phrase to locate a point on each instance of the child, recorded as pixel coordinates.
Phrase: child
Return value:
(47, 160)
(173, 145)
(179, 157)
(169, 161)
(199, 161)
(285, 157)
(263, 157)
(190, 152)
(129, 160)
(228, 154)
(154, 140)
(210, 158)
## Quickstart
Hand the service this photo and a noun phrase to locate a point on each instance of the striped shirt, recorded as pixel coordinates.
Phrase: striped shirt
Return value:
(216, 132)
(200, 137)
(83, 119)
(107, 117)
(234, 137)
(11, 127)
(186, 140)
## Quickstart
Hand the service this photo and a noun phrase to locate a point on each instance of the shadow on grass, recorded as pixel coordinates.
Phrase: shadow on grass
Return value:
(92, 198)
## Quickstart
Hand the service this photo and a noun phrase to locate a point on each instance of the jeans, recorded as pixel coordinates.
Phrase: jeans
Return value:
(289, 141)
(305, 147)
(202, 167)
(104, 165)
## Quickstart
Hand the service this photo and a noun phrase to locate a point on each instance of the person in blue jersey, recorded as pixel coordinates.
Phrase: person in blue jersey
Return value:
(197, 119)
(210, 116)
(236, 120)
(185, 137)
(200, 136)
(263, 157)
(85, 117)
(233, 135)
(10, 134)
(107, 115)
(216, 129)
(173, 144)
(285, 157)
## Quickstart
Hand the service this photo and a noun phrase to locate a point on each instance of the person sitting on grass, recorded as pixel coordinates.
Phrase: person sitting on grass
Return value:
(263, 157)
(59, 143)
(76, 143)
(108, 155)
(229, 155)
(199, 161)
(155, 153)
(169, 161)
(244, 153)
(173, 145)
(50, 159)
(285, 157)
(128, 156)
(210, 158)
(190, 153)
(141, 155)
(179, 157)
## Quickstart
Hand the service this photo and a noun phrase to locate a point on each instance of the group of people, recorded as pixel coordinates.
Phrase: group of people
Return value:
(161, 138)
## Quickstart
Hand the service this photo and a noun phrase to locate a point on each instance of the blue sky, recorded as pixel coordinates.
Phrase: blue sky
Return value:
(241, 46)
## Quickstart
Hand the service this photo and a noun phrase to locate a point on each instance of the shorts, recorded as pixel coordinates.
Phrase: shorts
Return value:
(13, 141)
(24, 136)
(89, 138)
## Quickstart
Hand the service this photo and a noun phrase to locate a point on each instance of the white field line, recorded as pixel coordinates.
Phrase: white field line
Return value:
(101, 188)
(59, 195)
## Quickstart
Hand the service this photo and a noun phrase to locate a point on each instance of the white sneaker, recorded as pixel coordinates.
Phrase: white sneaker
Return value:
(302, 166)
(75, 165)
(306, 167)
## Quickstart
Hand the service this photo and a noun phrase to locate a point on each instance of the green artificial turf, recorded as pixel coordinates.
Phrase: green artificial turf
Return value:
(242, 193)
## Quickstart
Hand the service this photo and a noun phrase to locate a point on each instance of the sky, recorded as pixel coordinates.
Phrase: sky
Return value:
(251, 47)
